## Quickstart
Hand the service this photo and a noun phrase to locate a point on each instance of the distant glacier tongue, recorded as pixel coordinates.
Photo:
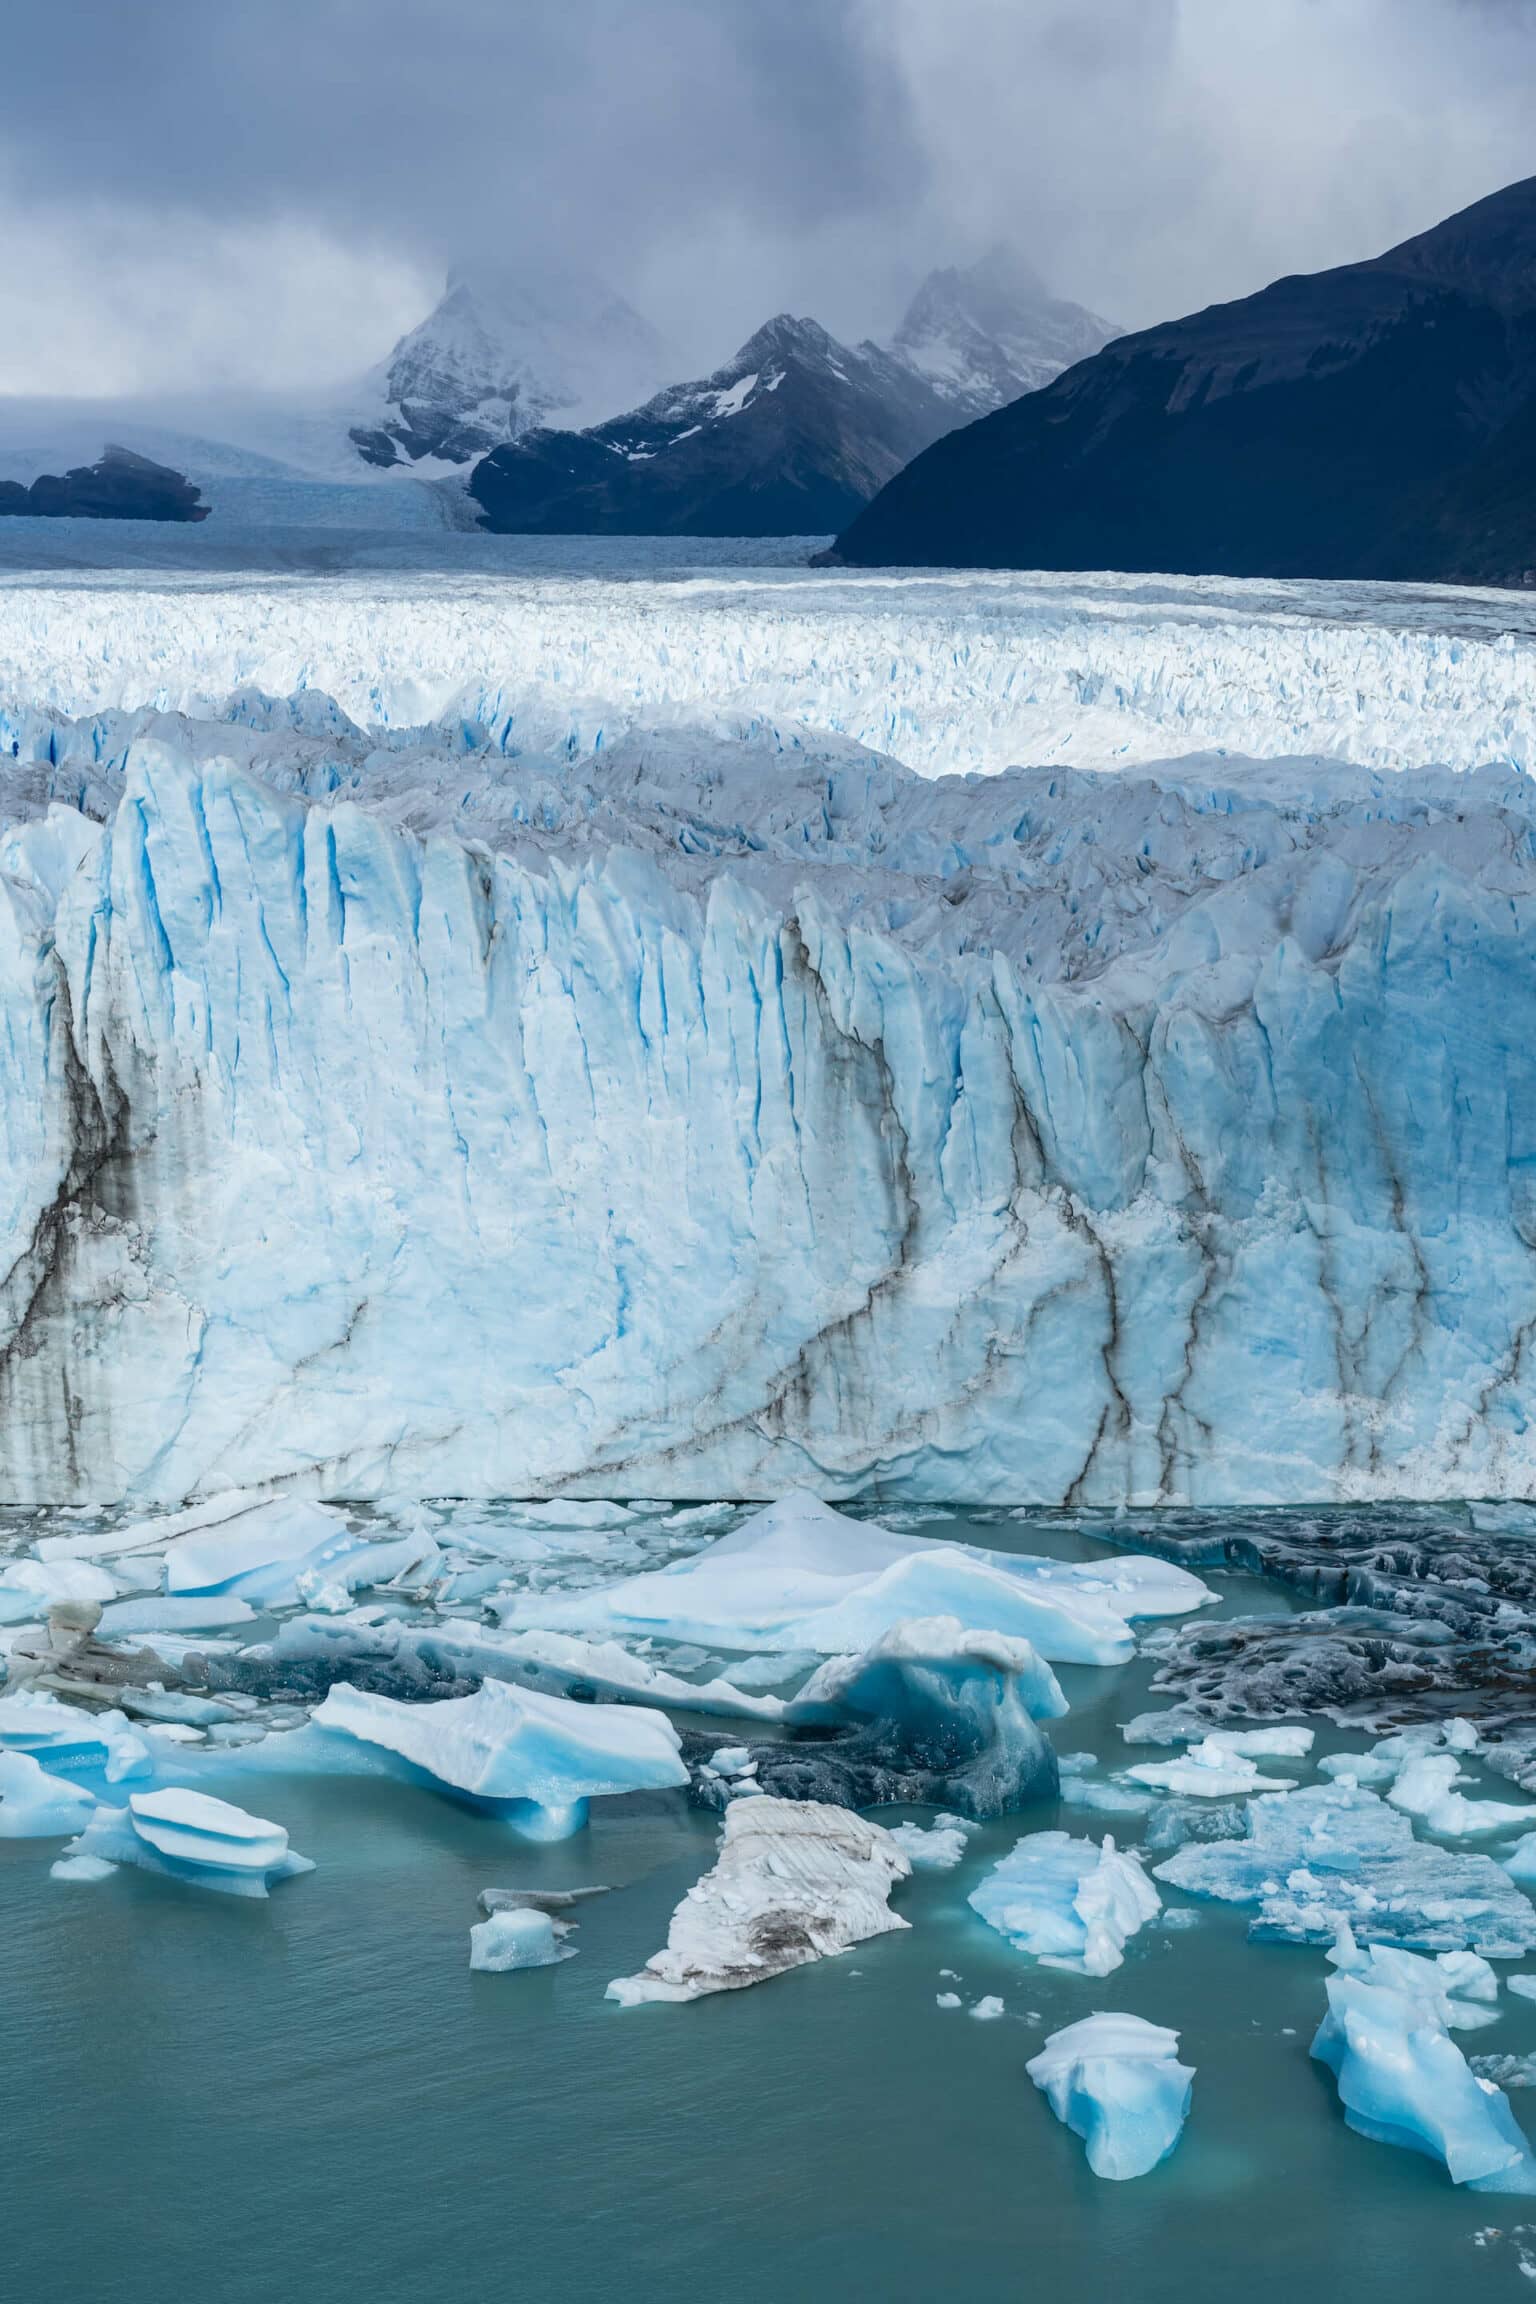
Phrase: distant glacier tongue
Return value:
(703, 1117)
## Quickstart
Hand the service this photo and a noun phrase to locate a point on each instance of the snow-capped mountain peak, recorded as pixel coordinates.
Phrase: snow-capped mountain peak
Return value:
(501, 353)
(983, 335)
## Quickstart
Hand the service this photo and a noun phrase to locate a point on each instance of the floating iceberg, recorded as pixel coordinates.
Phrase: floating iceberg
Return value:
(1069, 1903)
(259, 1554)
(519, 1937)
(538, 1758)
(938, 1848)
(1213, 1769)
(1402, 2080)
(796, 1881)
(72, 1742)
(29, 1588)
(1335, 1855)
(35, 1805)
(1459, 1988)
(1424, 1788)
(192, 1837)
(799, 1575)
(1116, 2081)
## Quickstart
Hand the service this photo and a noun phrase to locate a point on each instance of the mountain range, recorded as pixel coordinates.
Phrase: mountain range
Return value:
(797, 431)
(1375, 421)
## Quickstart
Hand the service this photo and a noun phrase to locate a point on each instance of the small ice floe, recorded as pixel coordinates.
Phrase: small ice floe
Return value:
(799, 1575)
(29, 1588)
(1069, 1903)
(938, 1848)
(37, 1806)
(72, 1742)
(1402, 2080)
(1458, 1987)
(1425, 1788)
(946, 2000)
(81, 1868)
(1505, 2071)
(987, 2010)
(1520, 1861)
(1222, 1765)
(1523, 1987)
(537, 1899)
(192, 1837)
(795, 1881)
(1311, 1860)
(519, 1937)
(1116, 2081)
(538, 1758)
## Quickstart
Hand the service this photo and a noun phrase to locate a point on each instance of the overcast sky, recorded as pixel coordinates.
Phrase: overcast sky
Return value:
(200, 193)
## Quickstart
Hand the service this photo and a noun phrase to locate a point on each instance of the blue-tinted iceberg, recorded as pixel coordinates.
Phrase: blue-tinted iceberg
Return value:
(1069, 1903)
(538, 1759)
(72, 1742)
(1116, 2081)
(191, 1837)
(35, 1805)
(1402, 2080)
(801, 1576)
(1335, 1855)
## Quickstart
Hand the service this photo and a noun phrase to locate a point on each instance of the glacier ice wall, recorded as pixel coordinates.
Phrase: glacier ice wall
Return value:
(699, 1120)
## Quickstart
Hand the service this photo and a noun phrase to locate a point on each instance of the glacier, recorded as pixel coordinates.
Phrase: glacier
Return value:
(525, 1039)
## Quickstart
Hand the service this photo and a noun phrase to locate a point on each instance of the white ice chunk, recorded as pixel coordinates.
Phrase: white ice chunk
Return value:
(799, 1575)
(29, 1588)
(35, 1805)
(1520, 1861)
(987, 2010)
(795, 1881)
(259, 1552)
(519, 1938)
(1424, 1789)
(939, 1848)
(81, 1868)
(1116, 2081)
(1459, 1987)
(543, 1756)
(1069, 1903)
(1214, 1769)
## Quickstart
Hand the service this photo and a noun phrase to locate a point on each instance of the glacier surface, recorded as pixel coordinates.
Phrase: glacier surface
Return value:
(501, 1040)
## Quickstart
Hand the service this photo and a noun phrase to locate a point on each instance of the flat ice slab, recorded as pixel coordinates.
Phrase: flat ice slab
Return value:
(1334, 1854)
(1116, 2081)
(795, 1881)
(799, 1575)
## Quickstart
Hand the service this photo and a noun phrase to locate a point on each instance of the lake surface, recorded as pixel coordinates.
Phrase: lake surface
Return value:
(314, 2098)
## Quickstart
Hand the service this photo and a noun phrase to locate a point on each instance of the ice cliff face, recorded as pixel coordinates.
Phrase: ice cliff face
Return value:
(698, 1117)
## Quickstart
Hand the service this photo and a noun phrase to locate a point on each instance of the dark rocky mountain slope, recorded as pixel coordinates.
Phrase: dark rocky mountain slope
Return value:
(1374, 421)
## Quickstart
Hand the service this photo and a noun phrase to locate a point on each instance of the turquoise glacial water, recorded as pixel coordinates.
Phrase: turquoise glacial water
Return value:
(314, 2099)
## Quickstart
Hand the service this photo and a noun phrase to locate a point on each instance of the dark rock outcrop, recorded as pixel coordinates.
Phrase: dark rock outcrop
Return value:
(121, 486)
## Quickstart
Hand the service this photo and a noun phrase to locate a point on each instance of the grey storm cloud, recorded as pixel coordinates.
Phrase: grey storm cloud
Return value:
(188, 187)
